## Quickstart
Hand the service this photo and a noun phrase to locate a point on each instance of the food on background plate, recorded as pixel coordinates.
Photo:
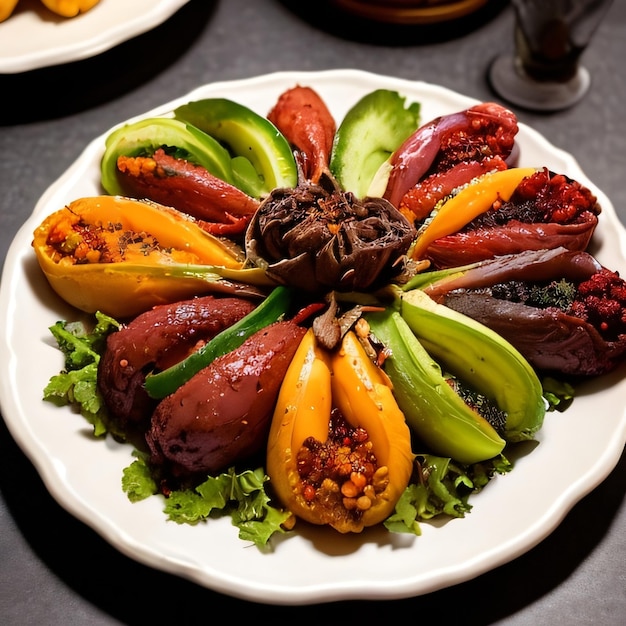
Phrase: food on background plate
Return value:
(6, 8)
(70, 8)
(64, 8)
(335, 385)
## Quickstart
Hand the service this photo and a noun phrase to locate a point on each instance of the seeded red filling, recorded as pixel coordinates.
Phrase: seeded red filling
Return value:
(343, 470)
(80, 243)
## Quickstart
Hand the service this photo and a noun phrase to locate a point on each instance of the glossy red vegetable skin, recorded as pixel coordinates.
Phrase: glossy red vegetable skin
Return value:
(549, 339)
(222, 415)
(485, 243)
(586, 339)
(546, 211)
(187, 187)
(484, 131)
(303, 118)
(418, 203)
(529, 265)
(154, 341)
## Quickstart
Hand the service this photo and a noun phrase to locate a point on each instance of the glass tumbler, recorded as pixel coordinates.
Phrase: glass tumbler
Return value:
(550, 37)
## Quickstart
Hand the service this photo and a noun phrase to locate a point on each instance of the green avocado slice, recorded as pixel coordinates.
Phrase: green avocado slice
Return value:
(369, 133)
(146, 136)
(482, 358)
(433, 410)
(262, 157)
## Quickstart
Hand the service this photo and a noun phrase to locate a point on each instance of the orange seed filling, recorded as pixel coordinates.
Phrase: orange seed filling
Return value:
(343, 470)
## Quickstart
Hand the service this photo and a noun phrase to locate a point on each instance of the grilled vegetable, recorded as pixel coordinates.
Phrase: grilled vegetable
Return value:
(562, 310)
(544, 210)
(442, 154)
(318, 238)
(145, 137)
(157, 339)
(269, 311)
(339, 451)
(219, 207)
(303, 118)
(222, 415)
(469, 203)
(122, 256)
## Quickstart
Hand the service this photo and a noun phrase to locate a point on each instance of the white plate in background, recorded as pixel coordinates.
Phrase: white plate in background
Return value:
(34, 37)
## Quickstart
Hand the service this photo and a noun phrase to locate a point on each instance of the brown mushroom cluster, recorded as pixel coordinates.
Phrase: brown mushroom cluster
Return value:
(318, 238)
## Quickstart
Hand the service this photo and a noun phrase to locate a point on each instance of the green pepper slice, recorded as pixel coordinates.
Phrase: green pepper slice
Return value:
(270, 310)
(262, 157)
(146, 136)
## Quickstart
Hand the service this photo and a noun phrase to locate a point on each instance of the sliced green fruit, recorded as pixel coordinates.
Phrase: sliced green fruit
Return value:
(369, 133)
(262, 157)
(144, 137)
(481, 358)
(432, 409)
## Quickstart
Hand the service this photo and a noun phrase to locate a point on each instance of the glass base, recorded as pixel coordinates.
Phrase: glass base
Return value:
(516, 88)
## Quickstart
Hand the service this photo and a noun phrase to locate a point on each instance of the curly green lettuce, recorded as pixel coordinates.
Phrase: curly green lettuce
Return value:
(242, 496)
(77, 384)
(442, 488)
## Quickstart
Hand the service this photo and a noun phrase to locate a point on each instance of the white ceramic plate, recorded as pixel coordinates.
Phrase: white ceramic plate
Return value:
(34, 37)
(513, 514)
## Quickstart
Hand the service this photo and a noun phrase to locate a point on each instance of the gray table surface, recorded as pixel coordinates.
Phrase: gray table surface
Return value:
(53, 569)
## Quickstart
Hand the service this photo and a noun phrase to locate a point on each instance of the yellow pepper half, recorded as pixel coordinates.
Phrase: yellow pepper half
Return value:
(468, 204)
(363, 393)
(346, 379)
(69, 8)
(122, 256)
